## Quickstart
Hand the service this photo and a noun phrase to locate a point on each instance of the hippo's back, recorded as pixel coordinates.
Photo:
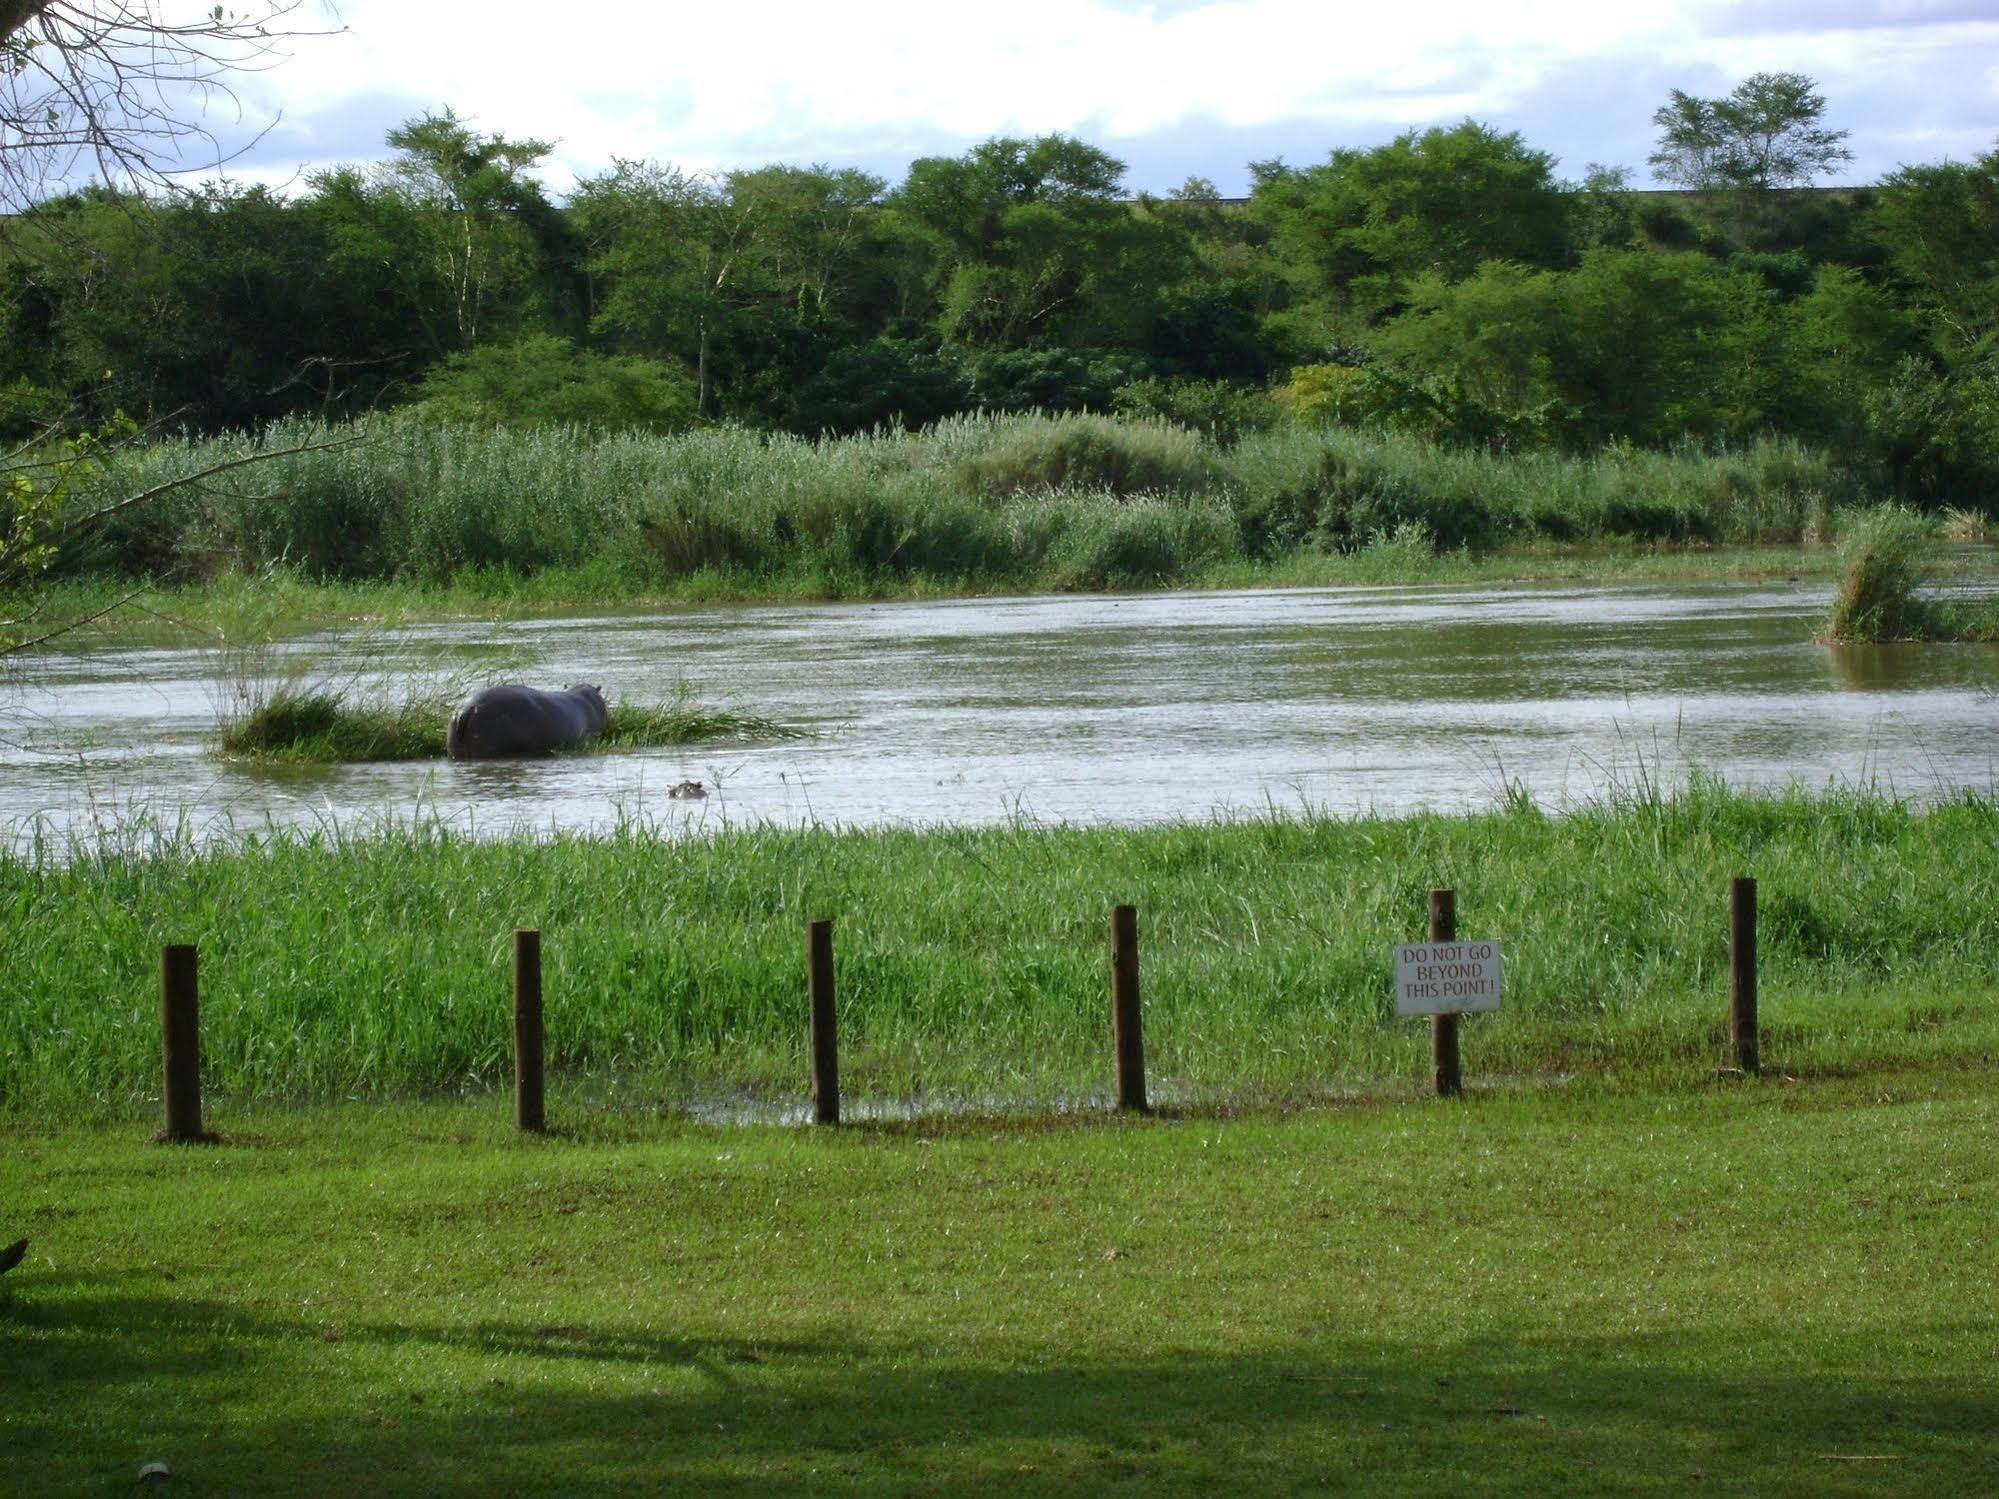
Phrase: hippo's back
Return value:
(497, 722)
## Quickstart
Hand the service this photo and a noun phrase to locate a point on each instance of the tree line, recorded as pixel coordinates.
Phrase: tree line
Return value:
(1448, 281)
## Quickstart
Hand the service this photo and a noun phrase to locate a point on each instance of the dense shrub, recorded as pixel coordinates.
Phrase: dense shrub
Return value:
(884, 382)
(1643, 348)
(1937, 436)
(1093, 452)
(1123, 544)
(545, 381)
(1037, 380)
(1220, 410)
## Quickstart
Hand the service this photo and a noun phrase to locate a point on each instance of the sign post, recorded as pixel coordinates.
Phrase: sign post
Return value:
(1445, 978)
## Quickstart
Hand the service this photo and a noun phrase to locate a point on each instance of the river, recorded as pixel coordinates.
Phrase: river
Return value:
(1120, 708)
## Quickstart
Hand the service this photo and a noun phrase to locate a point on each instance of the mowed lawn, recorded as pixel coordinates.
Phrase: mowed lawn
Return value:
(1777, 1286)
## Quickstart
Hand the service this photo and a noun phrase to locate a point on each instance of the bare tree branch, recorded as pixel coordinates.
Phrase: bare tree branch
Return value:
(101, 513)
(112, 91)
(16, 647)
(116, 90)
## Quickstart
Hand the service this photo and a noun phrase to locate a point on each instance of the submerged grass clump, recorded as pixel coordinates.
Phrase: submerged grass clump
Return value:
(1884, 566)
(972, 962)
(1885, 593)
(320, 724)
(684, 719)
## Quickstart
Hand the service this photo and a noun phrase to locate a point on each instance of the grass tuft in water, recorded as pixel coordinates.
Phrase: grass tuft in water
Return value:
(322, 725)
(1884, 566)
(1884, 592)
(319, 725)
(684, 719)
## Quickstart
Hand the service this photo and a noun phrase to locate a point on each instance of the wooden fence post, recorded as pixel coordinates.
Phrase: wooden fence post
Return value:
(1742, 974)
(825, 1035)
(180, 1043)
(529, 1040)
(1444, 1028)
(1125, 1033)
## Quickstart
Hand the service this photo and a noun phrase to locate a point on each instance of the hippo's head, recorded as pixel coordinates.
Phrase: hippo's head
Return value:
(592, 697)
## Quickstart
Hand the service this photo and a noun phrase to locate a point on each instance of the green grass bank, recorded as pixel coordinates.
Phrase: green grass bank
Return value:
(973, 963)
(1025, 502)
(1763, 1288)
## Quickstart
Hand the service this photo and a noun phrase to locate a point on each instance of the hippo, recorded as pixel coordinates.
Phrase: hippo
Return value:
(500, 721)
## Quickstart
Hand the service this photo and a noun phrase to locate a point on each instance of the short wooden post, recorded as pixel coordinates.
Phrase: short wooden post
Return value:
(180, 1043)
(825, 1034)
(1742, 973)
(1444, 1028)
(1125, 1032)
(529, 1040)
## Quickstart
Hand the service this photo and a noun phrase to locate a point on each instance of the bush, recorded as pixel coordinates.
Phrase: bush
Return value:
(1092, 452)
(886, 381)
(1218, 409)
(1937, 437)
(1320, 393)
(1337, 489)
(546, 381)
(1126, 544)
(1037, 380)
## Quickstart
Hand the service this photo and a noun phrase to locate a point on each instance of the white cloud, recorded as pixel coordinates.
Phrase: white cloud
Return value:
(706, 85)
(777, 71)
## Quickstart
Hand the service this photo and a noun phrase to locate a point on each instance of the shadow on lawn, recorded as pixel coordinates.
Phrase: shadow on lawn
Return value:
(100, 1376)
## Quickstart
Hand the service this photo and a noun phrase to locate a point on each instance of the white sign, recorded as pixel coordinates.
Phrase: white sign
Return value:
(1446, 978)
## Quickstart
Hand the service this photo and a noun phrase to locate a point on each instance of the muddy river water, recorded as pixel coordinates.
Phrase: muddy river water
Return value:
(1122, 708)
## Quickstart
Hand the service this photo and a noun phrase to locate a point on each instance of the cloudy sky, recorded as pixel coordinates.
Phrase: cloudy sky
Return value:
(1175, 88)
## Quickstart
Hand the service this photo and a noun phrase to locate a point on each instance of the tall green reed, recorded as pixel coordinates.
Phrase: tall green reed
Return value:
(972, 961)
(1072, 501)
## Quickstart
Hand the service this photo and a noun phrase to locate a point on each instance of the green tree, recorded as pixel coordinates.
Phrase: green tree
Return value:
(543, 380)
(1765, 134)
(1032, 245)
(660, 250)
(1355, 230)
(751, 279)
(883, 382)
(398, 300)
(1631, 344)
(494, 235)
(1940, 227)
(1603, 215)
(1842, 339)
(822, 269)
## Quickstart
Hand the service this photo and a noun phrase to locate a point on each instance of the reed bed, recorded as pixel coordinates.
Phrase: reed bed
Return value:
(1020, 501)
(972, 963)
